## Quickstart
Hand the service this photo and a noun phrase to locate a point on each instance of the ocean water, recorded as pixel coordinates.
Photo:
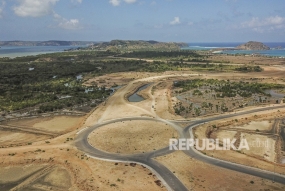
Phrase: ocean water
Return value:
(17, 51)
(210, 46)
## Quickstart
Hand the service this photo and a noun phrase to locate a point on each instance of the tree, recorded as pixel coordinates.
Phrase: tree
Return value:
(217, 108)
(197, 111)
(211, 105)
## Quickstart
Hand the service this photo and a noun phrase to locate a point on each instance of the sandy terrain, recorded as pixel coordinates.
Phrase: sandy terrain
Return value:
(225, 134)
(158, 100)
(198, 176)
(16, 173)
(249, 59)
(121, 78)
(257, 161)
(163, 100)
(65, 168)
(117, 106)
(260, 146)
(69, 169)
(241, 120)
(132, 136)
(8, 138)
(52, 124)
(254, 125)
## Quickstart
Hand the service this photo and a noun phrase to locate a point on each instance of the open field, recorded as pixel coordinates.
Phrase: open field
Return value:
(8, 138)
(65, 168)
(197, 175)
(263, 150)
(254, 125)
(258, 60)
(260, 146)
(53, 124)
(130, 137)
(225, 134)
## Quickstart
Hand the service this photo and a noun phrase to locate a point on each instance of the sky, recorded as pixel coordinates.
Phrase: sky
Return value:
(161, 20)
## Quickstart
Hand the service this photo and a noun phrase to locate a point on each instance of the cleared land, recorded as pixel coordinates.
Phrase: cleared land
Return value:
(259, 157)
(14, 138)
(53, 124)
(132, 137)
(254, 125)
(63, 167)
(260, 146)
(197, 175)
(226, 134)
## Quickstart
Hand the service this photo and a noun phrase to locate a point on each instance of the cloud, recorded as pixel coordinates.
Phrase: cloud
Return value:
(176, 21)
(115, 2)
(34, 8)
(130, 1)
(118, 2)
(72, 24)
(76, 1)
(267, 24)
(3, 3)
(38, 8)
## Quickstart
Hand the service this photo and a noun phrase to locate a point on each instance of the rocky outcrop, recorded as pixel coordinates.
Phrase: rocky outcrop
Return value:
(252, 45)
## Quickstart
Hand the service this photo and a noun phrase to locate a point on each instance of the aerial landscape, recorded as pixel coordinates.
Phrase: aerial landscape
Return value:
(142, 95)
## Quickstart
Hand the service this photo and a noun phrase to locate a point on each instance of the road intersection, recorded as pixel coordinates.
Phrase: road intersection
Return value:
(147, 159)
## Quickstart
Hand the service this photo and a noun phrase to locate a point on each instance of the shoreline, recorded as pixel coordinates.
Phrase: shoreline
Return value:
(21, 51)
(18, 54)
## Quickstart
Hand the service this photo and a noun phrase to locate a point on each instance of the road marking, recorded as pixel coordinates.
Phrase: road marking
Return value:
(81, 130)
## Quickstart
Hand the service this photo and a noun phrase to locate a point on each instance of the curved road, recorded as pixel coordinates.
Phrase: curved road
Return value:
(168, 178)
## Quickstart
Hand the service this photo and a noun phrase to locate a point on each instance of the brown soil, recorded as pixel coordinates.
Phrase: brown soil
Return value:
(53, 124)
(198, 176)
(256, 159)
(132, 136)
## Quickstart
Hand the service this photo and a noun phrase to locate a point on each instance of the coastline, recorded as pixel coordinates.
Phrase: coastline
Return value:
(20, 51)
(18, 54)
(230, 48)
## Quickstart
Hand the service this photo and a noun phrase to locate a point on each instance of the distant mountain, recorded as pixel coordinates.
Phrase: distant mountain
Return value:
(117, 45)
(252, 45)
(45, 43)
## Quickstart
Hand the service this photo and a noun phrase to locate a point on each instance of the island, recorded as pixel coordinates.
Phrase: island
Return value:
(253, 45)
(131, 45)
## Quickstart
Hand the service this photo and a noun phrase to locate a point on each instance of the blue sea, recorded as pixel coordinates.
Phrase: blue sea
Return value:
(210, 46)
(17, 51)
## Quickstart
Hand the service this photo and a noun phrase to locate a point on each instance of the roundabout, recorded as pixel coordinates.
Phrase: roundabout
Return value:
(114, 135)
(168, 178)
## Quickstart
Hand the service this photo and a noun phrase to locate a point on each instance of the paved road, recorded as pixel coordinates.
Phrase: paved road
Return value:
(168, 178)
(225, 164)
